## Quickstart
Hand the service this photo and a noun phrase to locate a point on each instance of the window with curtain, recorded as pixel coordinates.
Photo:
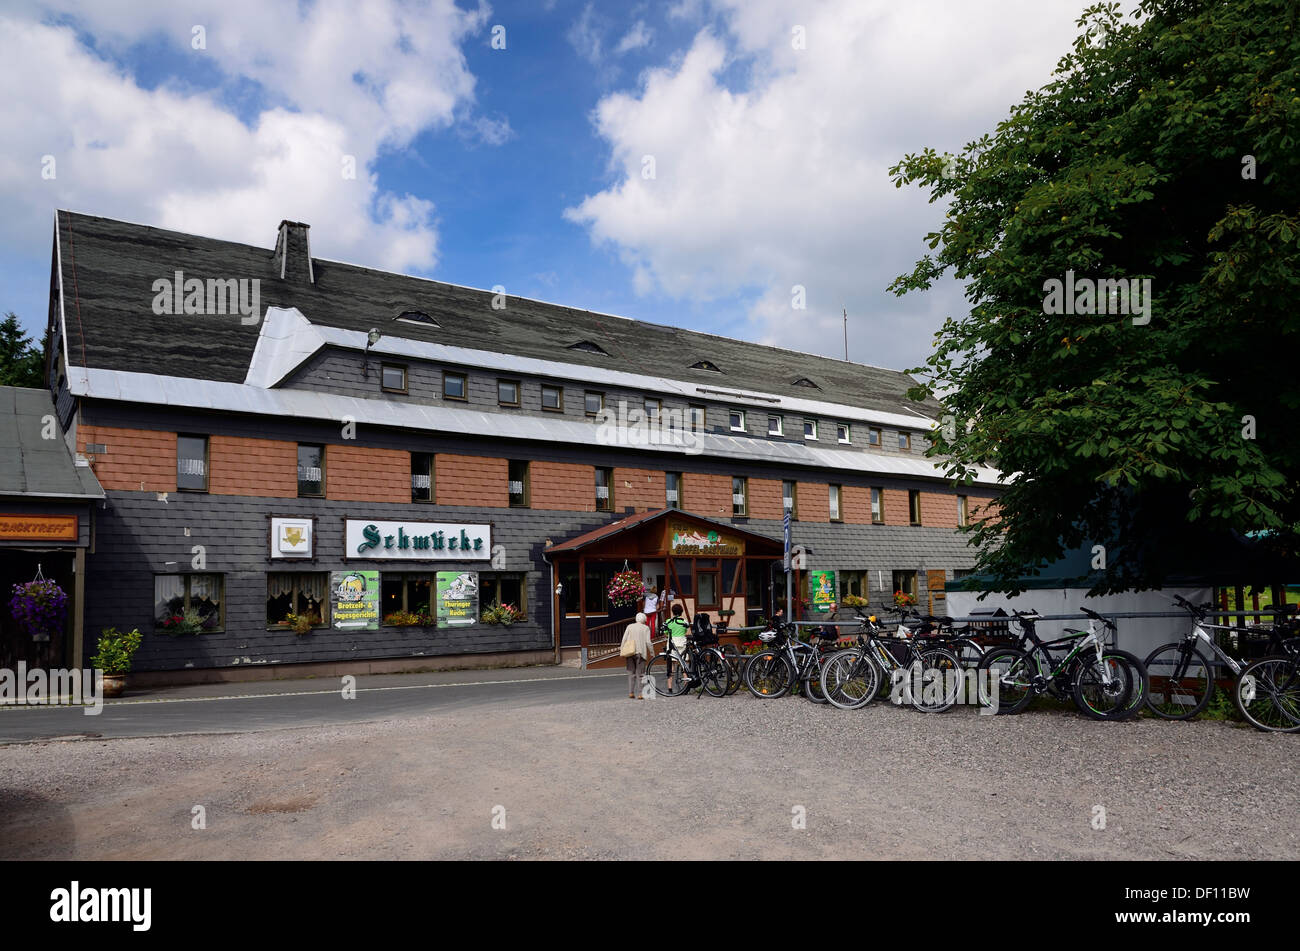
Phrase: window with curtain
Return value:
(192, 463)
(200, 595)
(299, 593)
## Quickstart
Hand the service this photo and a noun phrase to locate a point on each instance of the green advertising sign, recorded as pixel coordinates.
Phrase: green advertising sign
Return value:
(354, 600)
(822, 589)
(457, 598)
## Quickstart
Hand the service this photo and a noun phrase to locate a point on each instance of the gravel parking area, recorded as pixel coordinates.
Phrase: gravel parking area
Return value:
(665, 778)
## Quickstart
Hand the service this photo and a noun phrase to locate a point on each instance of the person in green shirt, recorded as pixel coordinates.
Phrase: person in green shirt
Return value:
(676, 628)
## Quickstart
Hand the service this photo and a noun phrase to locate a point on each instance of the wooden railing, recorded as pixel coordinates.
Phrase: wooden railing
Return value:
(603, 640)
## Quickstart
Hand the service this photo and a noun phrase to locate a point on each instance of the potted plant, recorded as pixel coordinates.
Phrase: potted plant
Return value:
(625, 589)
(903, 599)
(402, 619)
(300, 623)
(186, 622)
(38, 606)
(113, 657)
(503, 614)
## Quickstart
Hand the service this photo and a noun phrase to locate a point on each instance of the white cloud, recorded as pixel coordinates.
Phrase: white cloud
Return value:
(333, 79)
(586, 36)
(771, 162)
(636, 38)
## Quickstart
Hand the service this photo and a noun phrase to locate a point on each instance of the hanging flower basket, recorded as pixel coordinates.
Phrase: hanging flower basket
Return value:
(38, 606)
(625, 589)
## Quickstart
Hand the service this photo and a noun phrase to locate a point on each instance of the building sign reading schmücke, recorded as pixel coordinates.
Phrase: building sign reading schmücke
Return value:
(417, 541)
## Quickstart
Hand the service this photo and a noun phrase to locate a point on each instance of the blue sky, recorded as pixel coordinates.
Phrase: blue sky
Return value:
(770, 126)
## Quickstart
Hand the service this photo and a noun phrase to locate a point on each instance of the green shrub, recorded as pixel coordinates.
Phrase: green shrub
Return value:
(116, 650)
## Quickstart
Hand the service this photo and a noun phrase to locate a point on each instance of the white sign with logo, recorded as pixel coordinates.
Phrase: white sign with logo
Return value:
(417, 541)
(291, 538)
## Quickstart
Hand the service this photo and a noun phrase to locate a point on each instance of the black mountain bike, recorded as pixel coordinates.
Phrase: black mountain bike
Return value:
(927, 672)
(1105, 683)
(675, 673)
(787, 665)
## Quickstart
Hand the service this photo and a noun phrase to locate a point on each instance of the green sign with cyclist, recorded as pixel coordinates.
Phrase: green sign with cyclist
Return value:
(821, 586)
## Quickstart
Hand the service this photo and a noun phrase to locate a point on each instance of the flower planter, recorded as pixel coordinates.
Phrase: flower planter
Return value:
(114, 685)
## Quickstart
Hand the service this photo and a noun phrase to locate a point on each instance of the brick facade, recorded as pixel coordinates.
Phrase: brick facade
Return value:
(765, 498)
(563, 486)
(472, 480)
(133, 460)
(814, 502)
(359, 474)
(257, 467)
(707, 495)
(856, 504)
(640, 489)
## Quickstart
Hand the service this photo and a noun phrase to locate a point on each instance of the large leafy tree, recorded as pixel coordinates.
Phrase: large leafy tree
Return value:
(1166, 146)
(22, 363)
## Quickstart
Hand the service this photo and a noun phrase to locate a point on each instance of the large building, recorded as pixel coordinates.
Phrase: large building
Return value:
(283, 440)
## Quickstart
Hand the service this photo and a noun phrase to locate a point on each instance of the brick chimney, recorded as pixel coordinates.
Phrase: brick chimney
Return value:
(293, 253)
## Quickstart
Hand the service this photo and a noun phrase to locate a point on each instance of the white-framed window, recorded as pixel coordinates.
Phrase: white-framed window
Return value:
(963, 511)
(835, 503)
(775, 425)
(810, 429)
(736, 419)
(842, 433)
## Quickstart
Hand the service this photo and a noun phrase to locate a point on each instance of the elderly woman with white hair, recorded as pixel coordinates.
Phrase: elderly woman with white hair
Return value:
(636, 648)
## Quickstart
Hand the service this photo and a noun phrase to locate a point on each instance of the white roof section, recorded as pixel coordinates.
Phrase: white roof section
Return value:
(289, 340)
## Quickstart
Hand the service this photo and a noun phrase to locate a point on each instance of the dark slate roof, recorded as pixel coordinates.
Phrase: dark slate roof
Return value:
(109, 268)
(37, 466)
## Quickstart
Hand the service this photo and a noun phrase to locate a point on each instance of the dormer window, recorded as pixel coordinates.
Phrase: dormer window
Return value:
(804, 381)
(416, 317)
(586, 346)
(705, 365)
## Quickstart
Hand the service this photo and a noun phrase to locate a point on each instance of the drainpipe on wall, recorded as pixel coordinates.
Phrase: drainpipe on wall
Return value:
(555, 628)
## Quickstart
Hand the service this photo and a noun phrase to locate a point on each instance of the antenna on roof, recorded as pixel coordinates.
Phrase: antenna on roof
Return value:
(846, 335)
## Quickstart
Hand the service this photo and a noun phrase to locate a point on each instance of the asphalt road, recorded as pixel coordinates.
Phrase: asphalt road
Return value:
(271, 705)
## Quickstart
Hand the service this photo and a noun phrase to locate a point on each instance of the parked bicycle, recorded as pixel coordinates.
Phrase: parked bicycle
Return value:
(1184, 672)
(700, 665)
(928, 674)
(789, 664)
(1104, 683)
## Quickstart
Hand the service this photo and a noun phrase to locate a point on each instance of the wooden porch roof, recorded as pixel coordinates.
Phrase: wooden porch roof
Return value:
(641, 519)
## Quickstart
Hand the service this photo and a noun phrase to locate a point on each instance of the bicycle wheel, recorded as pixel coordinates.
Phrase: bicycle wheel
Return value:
(768, 675)
(1006, 679)
(850, 678)
(733, 664)
(1112, 688)
(657, 670)
(1267, 694)
(941, 681)
(714, 673)
(811, 686)
(1182, 681)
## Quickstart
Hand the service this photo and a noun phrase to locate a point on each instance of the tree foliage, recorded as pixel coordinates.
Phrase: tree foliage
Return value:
(1134, 162)
(22, 363)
